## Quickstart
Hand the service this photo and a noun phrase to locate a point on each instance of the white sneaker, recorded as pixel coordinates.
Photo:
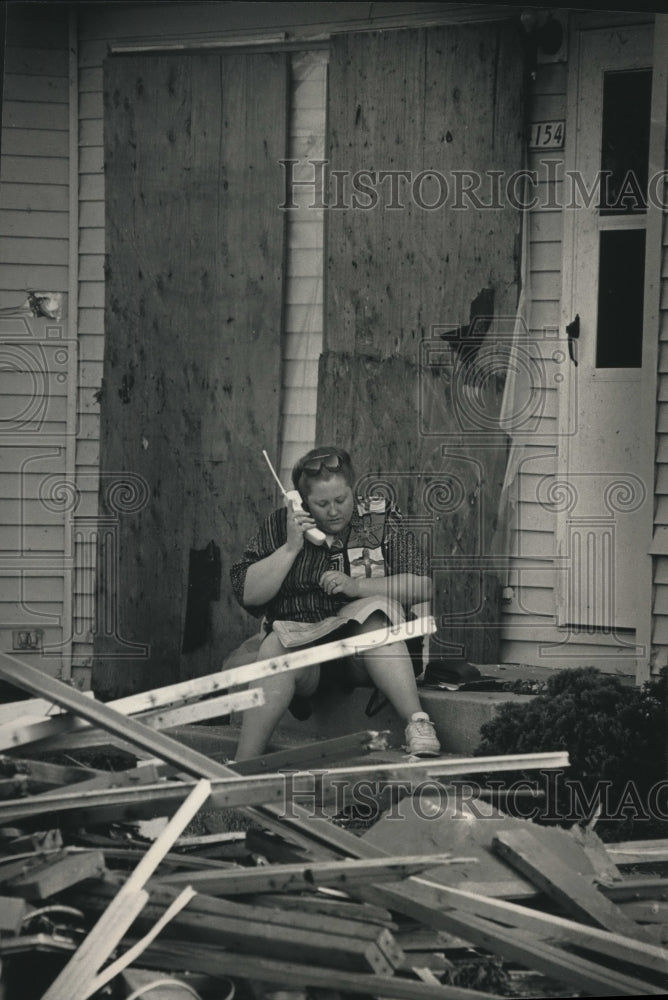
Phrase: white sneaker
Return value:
(421, 739)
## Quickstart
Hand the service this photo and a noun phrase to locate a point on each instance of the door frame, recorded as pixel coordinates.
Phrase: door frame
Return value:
(654, 222)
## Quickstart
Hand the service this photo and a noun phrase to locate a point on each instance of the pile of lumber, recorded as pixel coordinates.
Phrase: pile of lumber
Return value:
(107, 891)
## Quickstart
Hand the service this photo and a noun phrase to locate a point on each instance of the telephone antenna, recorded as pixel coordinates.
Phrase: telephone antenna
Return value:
(271, 469)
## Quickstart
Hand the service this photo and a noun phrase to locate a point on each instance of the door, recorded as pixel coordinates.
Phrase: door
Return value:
(606, 458)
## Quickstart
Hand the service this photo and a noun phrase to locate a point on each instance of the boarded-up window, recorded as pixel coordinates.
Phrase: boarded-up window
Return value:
(425, 137)
(192, 359)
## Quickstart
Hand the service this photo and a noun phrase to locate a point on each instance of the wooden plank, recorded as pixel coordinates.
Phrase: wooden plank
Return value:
(424, 86)
(206, 126)
(647, 911)
(597, 853)
(270, 933)
(31, 679)
(299, 924)
(210, 708)
(224, 679)
(632, 852)
(45, 775)
(42, 841)
(542, 925)
(133, 777)
(76, 979)
(300, 878)
(178, 955)
(132, 954)
(633, 889)
(433, 904)
(329, 906)
(438, 907)
(303, 827)
(313, 753)
(524, 850)
(156, 800)
(60, 871)
(174, 859)
(56, 730)
(29, 706)
(238, 791)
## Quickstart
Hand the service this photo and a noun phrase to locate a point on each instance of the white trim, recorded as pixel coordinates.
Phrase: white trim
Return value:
(652, 313)
(197, 42)
(73, 328)
(567, 310)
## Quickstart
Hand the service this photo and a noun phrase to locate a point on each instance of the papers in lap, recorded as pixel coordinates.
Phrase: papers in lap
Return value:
(294, 634)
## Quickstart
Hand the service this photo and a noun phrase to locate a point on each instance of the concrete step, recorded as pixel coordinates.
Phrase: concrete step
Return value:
(457, 716)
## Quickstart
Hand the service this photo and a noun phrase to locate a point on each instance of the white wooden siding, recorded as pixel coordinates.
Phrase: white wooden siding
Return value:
(38, 357)
(660, 548)
(91, 341)
(530, 610)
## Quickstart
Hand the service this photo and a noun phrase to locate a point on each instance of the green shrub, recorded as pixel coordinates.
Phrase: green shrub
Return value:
(615, 736)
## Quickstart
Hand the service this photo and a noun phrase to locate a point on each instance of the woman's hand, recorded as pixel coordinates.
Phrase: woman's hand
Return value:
(334, 582)
(298, 522)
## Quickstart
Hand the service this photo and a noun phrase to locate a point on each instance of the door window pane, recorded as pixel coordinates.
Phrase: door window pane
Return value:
(620, 298)
(625, 142)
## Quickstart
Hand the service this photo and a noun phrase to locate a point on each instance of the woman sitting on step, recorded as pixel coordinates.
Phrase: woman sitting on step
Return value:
(369, 571)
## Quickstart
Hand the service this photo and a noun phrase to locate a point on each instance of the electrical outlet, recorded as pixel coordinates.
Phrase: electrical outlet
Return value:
(27, 639)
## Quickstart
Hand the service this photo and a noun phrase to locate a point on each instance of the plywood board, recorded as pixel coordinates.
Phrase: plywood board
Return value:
(191, 386)
(418, 412)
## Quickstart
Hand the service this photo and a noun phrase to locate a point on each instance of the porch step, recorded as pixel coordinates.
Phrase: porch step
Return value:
(457, 716)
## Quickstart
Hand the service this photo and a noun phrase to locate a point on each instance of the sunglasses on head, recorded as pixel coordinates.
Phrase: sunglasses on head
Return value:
(329, 461)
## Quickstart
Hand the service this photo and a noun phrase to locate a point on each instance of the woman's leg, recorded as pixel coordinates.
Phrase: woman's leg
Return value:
(390, 668)
(279, 689)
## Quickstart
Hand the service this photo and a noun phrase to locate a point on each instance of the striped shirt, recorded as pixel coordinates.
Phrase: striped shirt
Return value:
(300, 597)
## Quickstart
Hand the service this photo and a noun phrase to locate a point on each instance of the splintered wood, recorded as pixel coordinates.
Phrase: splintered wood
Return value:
(435, 883)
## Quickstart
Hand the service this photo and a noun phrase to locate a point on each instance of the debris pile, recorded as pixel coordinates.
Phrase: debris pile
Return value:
(109, 890)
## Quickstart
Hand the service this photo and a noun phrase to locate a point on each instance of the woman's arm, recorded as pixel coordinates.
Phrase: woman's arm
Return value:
(265, 577)
(406, 588)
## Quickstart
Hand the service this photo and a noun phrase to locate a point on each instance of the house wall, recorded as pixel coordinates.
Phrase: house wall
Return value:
(38, 366)
(38, 232)
(537, 574)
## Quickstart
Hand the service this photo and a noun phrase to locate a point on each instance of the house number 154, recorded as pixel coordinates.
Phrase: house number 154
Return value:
(546, 135)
